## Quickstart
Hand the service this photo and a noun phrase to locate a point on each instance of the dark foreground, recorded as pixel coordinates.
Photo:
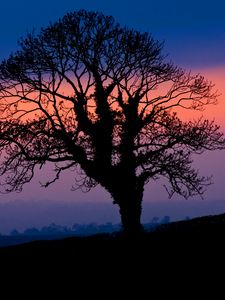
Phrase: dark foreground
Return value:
(188, 255)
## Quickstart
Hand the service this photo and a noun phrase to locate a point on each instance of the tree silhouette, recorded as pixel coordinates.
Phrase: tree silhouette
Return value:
(89, 95)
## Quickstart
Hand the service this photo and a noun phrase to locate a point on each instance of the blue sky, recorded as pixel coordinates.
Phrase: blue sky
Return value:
(194, 35)
(193, 30)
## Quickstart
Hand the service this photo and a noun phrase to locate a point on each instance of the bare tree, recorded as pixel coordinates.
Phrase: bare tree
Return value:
(99, 99)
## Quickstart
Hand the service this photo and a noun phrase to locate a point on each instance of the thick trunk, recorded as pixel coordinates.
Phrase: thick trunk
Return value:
(129, 199)
(130, 212)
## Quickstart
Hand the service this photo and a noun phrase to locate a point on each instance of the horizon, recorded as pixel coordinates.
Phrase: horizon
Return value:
(21, 215)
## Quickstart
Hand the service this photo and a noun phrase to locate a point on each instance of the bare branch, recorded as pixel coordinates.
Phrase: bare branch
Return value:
(88, 94)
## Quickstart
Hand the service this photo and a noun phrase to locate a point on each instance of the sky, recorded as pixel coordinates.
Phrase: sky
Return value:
(194, 37)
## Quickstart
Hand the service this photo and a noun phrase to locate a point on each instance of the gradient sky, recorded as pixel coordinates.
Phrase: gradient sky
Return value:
(194, 35)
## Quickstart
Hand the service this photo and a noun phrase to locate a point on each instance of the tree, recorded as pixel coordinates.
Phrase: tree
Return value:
(89, 95)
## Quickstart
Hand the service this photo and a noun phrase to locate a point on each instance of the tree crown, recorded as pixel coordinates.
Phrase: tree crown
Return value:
(86, 93)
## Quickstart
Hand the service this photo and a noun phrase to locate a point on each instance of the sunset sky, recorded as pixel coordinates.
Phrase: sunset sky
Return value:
(194, 36)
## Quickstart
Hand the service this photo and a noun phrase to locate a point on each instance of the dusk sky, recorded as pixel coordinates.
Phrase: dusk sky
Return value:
(194, 36)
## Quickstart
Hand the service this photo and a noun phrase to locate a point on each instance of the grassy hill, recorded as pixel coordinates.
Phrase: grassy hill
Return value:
(179, 253)
(199, 233)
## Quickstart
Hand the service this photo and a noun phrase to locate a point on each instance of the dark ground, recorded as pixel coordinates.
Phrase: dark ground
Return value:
(198, 236)
(178, 254)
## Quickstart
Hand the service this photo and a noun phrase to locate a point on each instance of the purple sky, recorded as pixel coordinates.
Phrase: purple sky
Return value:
(194, 35)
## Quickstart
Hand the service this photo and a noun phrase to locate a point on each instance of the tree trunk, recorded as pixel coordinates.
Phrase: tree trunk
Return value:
(129, 199)
(130, 212)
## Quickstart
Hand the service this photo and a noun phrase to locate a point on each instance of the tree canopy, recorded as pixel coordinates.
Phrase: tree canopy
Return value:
(101, 100)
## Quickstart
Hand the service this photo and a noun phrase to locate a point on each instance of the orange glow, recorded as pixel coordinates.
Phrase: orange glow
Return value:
(211, 112)
(217, 75)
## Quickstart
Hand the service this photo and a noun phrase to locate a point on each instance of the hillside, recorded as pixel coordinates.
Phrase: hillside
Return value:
(198, 232)
(177, 254)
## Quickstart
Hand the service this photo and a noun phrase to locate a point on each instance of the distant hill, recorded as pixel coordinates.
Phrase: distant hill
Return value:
(200, 231)
(54, 231)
